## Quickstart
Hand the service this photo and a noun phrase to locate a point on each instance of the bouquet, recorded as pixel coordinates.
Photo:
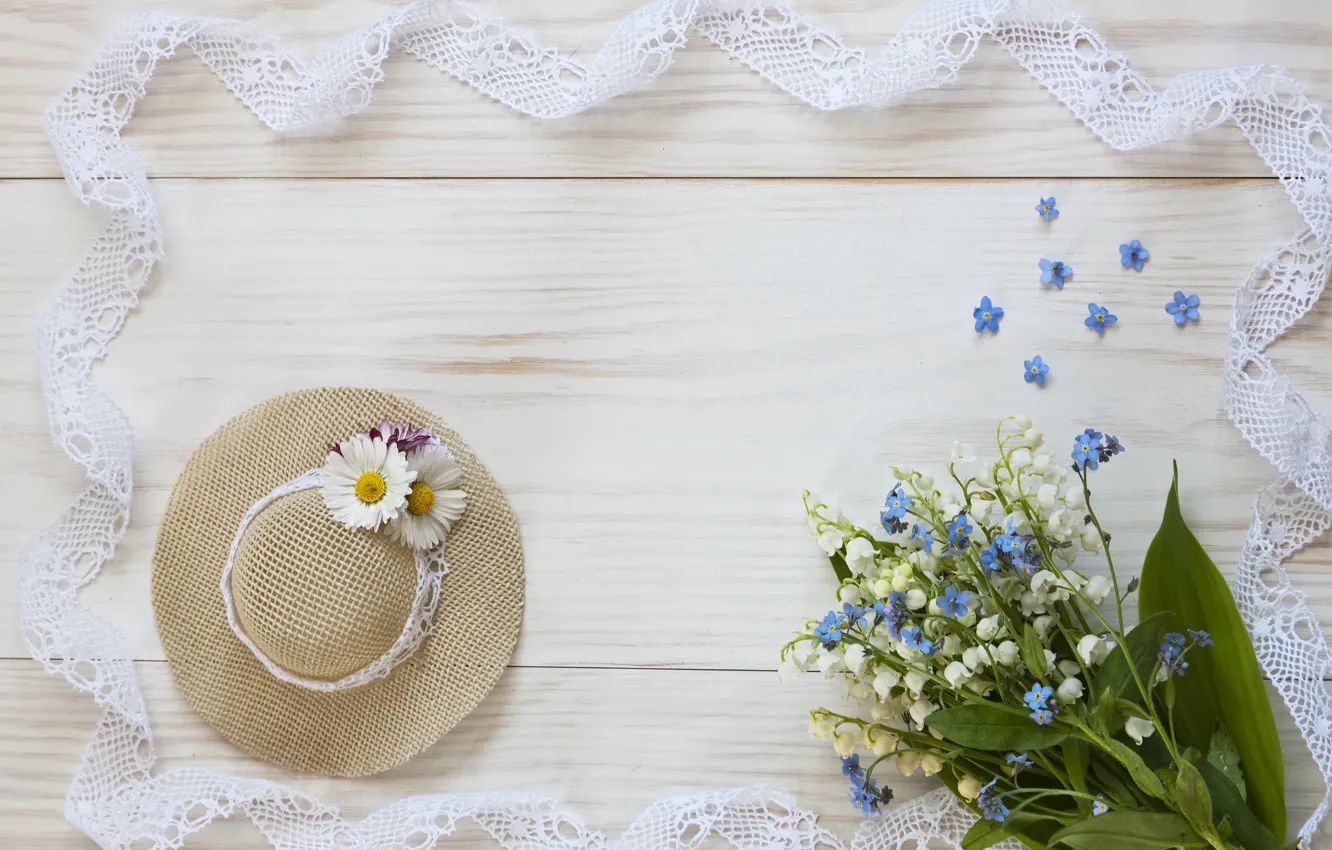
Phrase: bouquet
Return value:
(971, 647)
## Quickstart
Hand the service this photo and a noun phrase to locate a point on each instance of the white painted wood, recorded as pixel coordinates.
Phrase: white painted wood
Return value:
(654, 370)
(708, 116)
(605, 742)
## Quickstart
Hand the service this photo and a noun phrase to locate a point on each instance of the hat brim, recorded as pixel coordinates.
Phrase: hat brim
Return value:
(378, 725)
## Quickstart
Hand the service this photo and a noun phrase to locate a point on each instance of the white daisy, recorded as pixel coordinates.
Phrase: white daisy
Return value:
(436, 499)
(367, 482)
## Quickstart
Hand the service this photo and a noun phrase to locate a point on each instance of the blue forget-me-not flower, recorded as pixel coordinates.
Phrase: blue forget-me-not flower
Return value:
(1035, 370)
(1133, 255)
(1047, 208)
(1183, 307)
(987, 316)
(1055, 272)
(1098, 317)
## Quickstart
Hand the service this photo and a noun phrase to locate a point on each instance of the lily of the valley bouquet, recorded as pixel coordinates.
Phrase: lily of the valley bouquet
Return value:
(973, 646)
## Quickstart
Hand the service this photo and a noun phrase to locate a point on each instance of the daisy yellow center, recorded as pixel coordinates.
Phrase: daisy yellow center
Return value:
(421, 499)
(370, 487)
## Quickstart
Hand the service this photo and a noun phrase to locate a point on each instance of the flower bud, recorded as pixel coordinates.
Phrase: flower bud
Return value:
(899, 584)
(988, 629)
(849, 593)
(1137, 728)
(1007, 653)
(1092, 649)
(969, 787)
(956, 673)
(931, 764)
(915, 680)
(916, 599)
(908, 763)
(844, 742)
(1091, 539)
(1075, 498)
(1023, 422)
(1069, 690)
(920, 709)
(1069, 667)
(884, 743)
(885, 681)
(1032, 438)
(1096, 589)
(882, 588)
(822, 726)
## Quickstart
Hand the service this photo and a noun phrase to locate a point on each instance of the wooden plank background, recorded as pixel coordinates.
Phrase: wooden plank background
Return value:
(653, 368)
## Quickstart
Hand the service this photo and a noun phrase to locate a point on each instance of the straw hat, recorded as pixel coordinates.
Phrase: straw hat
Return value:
(318, 646)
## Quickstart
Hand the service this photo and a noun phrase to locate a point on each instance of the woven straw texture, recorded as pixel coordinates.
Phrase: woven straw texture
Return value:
(345, 733)
(320, 601)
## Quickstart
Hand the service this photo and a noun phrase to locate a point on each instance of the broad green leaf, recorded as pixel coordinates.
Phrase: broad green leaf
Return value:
(1223, 756)
(1118, 790)
(1249, 833)
(1033, 652)
(1104, 717)
(1077, 753)
(839, 566)
(1142, 775)
(1192, 797)
(1129, 831)
(987, 833)
(985, 727)
(1141, 644)
(1223, 681)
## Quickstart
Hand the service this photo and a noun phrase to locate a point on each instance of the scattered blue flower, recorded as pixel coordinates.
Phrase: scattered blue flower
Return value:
(1043, 716)
(921, 533)
(915, 639)
(829, 631)
(1047, 208)
(1086, 452)
(1183, 308)
(851, 768)
(991, 806)
(1099, 807)
(1201, 638)
(1133, 255)
(987, 316)
(1019, 761)
(1098, 317)
(1035, 370)
(1038, 696)
(954, 602)
(1055, 272)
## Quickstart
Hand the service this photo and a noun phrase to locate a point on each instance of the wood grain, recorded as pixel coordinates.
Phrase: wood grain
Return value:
(654, 370)
(709, 116)
(607, 743)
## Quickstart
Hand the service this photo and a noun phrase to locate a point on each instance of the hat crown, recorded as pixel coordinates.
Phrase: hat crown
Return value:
(320, 601)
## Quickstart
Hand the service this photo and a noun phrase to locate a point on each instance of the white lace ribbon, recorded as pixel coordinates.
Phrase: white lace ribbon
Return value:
(430, 572)
(118, 800)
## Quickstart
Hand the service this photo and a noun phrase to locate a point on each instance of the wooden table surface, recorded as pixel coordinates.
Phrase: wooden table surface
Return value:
(655, 322)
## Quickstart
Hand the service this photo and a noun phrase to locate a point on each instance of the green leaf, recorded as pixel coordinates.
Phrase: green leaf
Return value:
(1033, 652)
(1142, 775)
(1227, 803)
(1192, 797)
(1077, 754)
(984, 833)
(1025, 827)
(839, 566)
(1129, 831)
(1105, 719)
(1141, 645)
(1224, 681)
(1223, 756)
(986, 727)
(1116, 788)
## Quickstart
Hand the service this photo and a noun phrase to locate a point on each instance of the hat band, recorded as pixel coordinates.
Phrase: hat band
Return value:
(430, 571)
